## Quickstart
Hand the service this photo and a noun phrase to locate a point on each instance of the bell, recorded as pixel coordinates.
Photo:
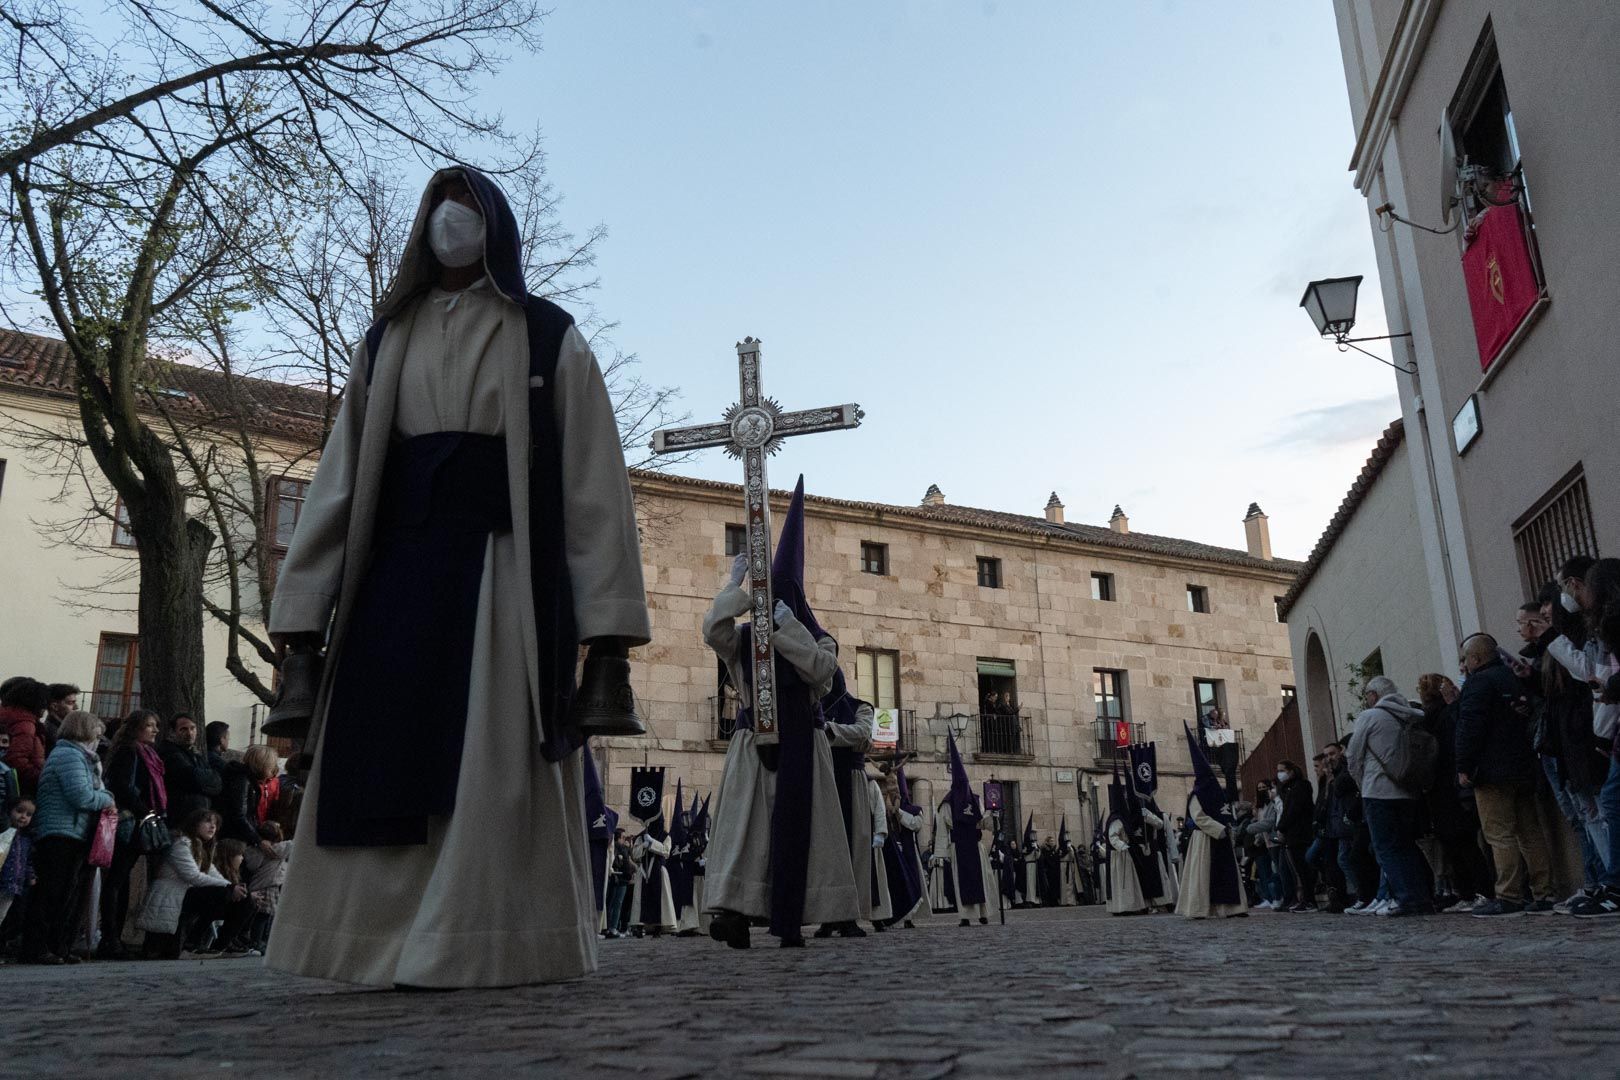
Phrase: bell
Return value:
(604, 704)
(290, 716)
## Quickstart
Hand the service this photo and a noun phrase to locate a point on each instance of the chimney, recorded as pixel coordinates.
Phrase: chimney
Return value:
(933, 496)
(1258, 531)
(1119, 522)
(1054, 510)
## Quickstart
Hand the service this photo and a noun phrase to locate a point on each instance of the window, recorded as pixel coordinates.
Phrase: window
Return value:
(1198, 599)
(736, 539)
(989, 573)
(1108, 688)
(1553, 531)
(874, 558)
(877, 677)
(1102, 587)
(1288, 696)
(1373, 666)
(1209, 694)
(121, 536)
(2, 475)
(117, 688)
(283, 507)
(1276, 608)
(1001, 725)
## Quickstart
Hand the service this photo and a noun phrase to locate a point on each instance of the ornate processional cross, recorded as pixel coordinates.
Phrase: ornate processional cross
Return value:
(751, 430)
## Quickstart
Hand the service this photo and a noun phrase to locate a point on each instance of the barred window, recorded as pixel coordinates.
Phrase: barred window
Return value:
(1553, 531)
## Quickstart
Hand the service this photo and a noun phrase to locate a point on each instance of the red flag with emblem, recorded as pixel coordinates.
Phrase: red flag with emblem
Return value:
(1501, 279)
(1122, 733)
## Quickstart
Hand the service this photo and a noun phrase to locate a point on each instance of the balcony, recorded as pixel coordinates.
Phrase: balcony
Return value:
(1005, 735)
(722, 717)
(1108, 740)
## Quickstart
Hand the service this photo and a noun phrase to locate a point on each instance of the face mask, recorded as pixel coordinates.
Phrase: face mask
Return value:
(1569, 603)
(1282, 777)
(456, 234)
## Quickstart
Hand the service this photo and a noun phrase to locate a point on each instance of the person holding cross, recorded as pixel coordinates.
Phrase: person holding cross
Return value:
(778, 852)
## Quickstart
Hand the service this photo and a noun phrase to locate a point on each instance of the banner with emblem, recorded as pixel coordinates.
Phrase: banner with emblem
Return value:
(1501, 279)
(1145, 768)
(646, 792)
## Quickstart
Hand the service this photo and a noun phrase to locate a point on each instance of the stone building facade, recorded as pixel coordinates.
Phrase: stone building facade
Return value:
(935, 605)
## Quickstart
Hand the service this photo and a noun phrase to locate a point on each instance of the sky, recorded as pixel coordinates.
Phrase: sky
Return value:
(1045, 246)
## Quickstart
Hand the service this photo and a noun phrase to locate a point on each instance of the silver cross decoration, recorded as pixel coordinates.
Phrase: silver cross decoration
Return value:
(751, 430)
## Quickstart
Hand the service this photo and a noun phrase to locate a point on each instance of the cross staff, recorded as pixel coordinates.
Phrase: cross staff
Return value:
(751, 430)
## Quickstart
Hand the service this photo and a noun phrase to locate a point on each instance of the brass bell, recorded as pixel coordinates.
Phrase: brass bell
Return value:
(604, 704)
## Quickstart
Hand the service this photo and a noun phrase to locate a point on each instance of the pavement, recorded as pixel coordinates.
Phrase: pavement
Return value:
(1066, 992)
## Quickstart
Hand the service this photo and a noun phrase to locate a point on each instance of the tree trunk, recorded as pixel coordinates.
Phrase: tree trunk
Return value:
(173, 551)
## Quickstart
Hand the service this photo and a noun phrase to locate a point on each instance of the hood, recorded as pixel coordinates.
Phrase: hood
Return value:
(1207, 787)
(964, 804)
(503, 248)
(787, 565)
(678, 831)
(904, 789)
(600, 821)
(1398, 705)
(1029, 831)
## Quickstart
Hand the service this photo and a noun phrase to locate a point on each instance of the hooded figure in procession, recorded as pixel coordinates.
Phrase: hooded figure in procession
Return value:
(902, 851)
(602, 821)
(1212, 885)
(961, 825)
(469, 526)
(849, 725)
(779, 853)
(1125, 893)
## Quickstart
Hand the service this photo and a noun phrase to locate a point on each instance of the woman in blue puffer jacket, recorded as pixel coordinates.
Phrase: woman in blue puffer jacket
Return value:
(71, 796)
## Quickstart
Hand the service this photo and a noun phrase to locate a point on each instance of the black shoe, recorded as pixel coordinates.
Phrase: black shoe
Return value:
(851, 930)
(908, 926)
(984, 921)
(878, 928)
(967, 922)
(731, 928)
(1602, 904)
(1496, 909)
(824, 931)
(791, 943)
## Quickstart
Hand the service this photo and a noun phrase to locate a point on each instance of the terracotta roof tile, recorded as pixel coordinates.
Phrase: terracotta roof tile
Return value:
(45, 366)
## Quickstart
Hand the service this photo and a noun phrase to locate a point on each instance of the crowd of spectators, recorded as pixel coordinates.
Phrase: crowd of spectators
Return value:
(152, 840)
(1440, 802)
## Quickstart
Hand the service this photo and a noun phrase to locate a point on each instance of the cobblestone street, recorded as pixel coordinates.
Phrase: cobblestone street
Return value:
(1070, 992)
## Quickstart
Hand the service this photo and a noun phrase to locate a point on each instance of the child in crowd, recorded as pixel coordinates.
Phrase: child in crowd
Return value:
(265, 868)
(16, 854)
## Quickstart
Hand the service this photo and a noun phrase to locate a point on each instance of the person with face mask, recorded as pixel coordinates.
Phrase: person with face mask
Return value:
(469, 527)
(1297, 825)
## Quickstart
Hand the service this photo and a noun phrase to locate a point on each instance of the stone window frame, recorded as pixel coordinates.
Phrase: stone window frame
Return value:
(1121, 695)
(736, 540)
(892, 655)
(1198, 599)
(990, 572)
(1102, 587)
(874, 558)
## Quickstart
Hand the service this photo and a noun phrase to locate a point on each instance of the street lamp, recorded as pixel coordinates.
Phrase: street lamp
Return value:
(958, 724)
(1331, 304)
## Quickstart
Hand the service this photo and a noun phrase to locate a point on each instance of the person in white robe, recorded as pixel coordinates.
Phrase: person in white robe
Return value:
(970, 851)
(1212, 887)
(739, 868)
(459, 904)
(649, 914)
(906, 823)
(1160, 842)
(941, 892)
(882, 910)
(1125, 896)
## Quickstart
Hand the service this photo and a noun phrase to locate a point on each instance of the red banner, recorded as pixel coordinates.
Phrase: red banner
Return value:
(1501, 279)
(1122, 733)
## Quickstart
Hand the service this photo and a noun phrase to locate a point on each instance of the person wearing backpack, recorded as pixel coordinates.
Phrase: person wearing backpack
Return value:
(1495, 757)
(1388, 756)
